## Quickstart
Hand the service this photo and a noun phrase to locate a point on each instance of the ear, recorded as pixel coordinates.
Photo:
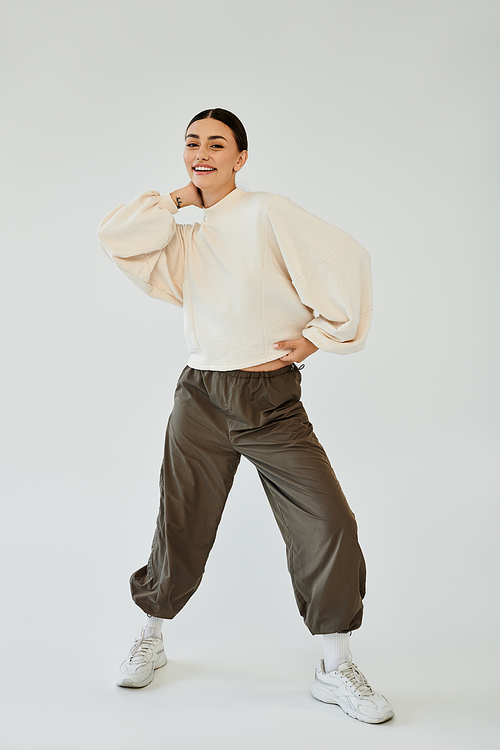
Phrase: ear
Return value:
(240, 162)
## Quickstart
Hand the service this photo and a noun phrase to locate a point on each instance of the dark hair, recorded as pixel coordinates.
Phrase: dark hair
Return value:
(223, 115)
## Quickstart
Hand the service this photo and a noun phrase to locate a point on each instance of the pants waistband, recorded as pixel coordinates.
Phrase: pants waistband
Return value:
(255, 374)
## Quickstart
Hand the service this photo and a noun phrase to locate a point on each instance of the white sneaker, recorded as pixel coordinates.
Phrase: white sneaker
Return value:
(349, 689)
(144, 657)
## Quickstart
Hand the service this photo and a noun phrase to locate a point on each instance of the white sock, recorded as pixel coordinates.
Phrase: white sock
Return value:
(336, 650)
(152, 628)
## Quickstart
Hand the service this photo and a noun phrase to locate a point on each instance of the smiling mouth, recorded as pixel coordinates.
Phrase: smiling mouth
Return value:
(204, 170)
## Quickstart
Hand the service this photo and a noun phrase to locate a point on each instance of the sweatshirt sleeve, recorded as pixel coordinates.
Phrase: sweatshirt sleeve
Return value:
(148, 246)
(331, 273)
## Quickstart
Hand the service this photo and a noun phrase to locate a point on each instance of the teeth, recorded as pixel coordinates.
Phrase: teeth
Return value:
(203, 169)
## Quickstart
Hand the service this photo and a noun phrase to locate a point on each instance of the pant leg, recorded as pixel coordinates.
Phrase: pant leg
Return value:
(197, 473)
(271, 428)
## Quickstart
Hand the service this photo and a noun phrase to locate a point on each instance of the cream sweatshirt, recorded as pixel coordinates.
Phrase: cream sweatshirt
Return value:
(258, 269)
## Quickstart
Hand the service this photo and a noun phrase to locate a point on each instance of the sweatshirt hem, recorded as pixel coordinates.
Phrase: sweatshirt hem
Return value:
(223, 366)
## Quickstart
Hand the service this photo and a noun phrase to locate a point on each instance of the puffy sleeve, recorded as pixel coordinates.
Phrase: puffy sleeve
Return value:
(331, 273)
(148, 246)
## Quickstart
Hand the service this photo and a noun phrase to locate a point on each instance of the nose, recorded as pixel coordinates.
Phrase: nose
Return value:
(201, 153)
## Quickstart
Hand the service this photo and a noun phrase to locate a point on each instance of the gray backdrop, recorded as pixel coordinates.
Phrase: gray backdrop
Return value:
(380, 117)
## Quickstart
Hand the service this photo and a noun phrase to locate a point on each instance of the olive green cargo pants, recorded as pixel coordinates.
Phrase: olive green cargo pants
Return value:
(219, 416)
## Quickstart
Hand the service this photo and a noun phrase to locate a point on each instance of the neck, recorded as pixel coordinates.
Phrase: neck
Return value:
(211, 197)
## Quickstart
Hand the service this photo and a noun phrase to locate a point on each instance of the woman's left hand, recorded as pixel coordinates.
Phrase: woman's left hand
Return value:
(301, 348)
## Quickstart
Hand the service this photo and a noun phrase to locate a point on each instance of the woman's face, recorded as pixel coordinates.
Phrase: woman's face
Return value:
(211, 155)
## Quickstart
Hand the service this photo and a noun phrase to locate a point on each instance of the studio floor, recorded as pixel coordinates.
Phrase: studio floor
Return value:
(247, 700)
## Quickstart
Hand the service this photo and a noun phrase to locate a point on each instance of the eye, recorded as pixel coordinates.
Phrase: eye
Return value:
(217, 145)
(188, 145)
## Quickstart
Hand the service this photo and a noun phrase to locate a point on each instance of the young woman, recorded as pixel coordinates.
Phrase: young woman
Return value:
(263, 285)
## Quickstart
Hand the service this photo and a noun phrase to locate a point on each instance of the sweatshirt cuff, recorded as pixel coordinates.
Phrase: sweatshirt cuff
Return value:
(167, 202)
(328, 343)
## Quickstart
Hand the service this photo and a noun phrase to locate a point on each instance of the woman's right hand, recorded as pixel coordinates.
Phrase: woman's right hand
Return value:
(187, 196)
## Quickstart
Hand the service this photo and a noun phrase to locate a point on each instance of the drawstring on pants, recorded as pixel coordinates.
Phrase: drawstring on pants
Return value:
(294, 366)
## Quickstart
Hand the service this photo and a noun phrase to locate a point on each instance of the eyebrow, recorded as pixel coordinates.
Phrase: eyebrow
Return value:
(210, 137)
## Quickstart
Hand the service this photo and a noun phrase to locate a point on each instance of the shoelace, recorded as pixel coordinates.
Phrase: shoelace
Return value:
(140, 651)
(357, 679)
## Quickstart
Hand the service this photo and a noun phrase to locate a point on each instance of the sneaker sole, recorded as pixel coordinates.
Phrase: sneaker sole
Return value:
(325, 697)
(127, 682)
